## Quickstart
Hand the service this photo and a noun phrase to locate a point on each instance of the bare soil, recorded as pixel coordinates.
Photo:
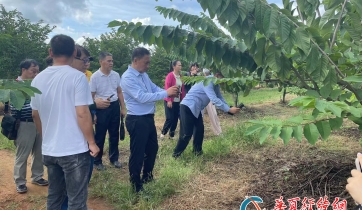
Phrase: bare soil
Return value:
(273, 170)
(35, 198)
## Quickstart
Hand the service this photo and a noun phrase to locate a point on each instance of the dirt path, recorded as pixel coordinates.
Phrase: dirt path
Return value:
(35, 198)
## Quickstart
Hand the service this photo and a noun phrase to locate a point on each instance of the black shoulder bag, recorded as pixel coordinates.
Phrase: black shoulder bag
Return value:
(10, 124)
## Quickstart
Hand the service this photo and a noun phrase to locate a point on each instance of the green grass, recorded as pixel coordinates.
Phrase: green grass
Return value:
(172, 174)
(257, 96)
(6, 143)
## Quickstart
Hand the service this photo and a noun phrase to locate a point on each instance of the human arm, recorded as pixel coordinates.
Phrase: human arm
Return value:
(37, 121)
(131, 86)
(210, 92)
(86, 126)
(121, 101)
(354, 186)
(83, 99)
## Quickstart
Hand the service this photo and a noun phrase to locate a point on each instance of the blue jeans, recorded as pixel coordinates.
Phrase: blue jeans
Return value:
(65, 203)
(68, 175)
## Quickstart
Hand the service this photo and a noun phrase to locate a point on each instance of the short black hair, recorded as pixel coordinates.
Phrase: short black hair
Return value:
(103, 55)
(62, 45)
(139, 52)
(49, 60)
(192, 65)
(26, 64)
(79, 50)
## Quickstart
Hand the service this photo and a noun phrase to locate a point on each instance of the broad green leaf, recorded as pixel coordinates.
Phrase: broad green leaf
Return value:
(358, 5)
(114, 23)
(335, 123)
(254, 128)
(27, 91)
(357, 79)
(200, 45)
(326, 16)
(264, 134)
(260, 52)
(311, 133)
(4, 95)
(324, 129)
(355, 112)
(297, 119)
(312, 93)
(214, 5)
(232, 14)
(356, 120)
(286, 134)
(303, 39)
(325, 91)
(313, 59)
(17, 99)
(321, 105)
(285, 27)
(334, 109)
(335, 93)
(298, 133)
(266, 20)
(345, 96)
(156, 30)
(275, 132)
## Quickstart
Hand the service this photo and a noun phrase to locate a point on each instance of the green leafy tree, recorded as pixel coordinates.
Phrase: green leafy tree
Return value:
(20, 39)
(302, 47)
(118, 44)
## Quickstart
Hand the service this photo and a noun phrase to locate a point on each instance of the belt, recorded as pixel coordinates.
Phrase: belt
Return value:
(26, 120)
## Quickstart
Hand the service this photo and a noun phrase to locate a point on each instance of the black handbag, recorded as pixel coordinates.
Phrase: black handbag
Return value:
(122, 132)
(10, 124)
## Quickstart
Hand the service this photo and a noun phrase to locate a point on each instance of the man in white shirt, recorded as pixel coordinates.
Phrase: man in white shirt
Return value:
(105, 84)
(62, 116)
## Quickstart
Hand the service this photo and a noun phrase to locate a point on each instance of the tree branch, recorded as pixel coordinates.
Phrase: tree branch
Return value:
(350, 88)
(337, 26)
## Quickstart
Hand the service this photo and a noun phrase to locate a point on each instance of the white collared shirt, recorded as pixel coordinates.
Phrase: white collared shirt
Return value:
(105, 85)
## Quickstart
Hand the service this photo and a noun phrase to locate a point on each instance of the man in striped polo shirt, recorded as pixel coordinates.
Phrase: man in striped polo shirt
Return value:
(28, 139)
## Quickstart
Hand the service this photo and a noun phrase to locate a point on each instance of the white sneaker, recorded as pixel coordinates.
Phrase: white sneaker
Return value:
(162, 136)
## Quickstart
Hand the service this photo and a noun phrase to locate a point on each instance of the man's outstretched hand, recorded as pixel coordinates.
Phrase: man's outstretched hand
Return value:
(233, 110)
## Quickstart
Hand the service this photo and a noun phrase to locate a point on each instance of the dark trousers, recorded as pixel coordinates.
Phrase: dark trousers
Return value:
(189, 125)
(108, 119)
(65, 202)
(68, 175)
(143, 148)
(171, 118)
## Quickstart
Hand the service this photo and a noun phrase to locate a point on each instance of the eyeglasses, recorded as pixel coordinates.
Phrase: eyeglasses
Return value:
(85, 60)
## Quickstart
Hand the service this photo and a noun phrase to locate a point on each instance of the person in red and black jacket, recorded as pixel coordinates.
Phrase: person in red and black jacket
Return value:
(172, 105)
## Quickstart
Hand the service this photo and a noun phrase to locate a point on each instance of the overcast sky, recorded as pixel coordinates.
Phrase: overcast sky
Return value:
(78, 18)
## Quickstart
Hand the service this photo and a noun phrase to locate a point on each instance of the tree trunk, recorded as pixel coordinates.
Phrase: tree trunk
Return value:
(236, 99)
(284, 94)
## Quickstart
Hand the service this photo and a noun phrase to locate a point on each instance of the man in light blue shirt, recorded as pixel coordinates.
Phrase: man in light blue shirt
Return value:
(140, 95)
(191, 122)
